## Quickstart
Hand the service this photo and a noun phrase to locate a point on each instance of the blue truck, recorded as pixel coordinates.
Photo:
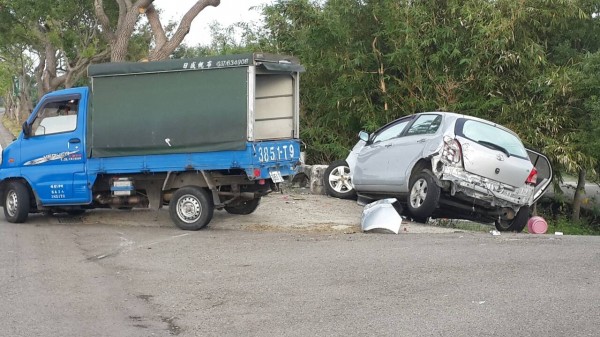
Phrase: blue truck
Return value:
(196, 135)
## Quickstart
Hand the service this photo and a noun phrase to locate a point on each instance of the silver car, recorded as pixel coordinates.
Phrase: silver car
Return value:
(445, 165)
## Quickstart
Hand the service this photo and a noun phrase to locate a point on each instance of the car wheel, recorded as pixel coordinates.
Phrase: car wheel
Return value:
(243, 208)
(516, 224)
(423, 196)
(16, 202)
(337, 180)
(191, 208)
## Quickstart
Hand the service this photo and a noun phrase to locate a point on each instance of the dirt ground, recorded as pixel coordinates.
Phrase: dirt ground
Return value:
(292, 210)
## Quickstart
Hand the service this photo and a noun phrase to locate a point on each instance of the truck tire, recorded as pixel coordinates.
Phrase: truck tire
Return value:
(423, 196)
(16, 202)
(516, 224)
(243, 208)
(191, 208)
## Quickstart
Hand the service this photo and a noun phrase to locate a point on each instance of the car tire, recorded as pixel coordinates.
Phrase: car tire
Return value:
(337, 182)
(191, 208)
(516, 224)
(423, 196)
(16, 202)
(243, 208)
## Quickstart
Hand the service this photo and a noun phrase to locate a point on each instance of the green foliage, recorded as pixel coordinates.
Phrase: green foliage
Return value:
(587, 88)
(511, 62)
(556, 212)
(565, 225)
(6, 79)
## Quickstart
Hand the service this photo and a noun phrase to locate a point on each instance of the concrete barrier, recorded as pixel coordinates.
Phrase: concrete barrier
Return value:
(310, 176)
(316, 179)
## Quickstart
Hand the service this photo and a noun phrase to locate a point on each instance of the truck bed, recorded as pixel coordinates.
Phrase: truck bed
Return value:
(282, 155)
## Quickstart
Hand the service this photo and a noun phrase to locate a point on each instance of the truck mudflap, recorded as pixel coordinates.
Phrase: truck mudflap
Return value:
(274, 160)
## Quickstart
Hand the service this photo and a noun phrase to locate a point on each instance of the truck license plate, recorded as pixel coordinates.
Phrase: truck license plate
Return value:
(276, 176)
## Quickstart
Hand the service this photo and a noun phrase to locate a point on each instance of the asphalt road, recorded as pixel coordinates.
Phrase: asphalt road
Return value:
(93, 279)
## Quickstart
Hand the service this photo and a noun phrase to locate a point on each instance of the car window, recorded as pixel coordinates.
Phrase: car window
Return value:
(486, 133)
(425, 124)
(391, 131)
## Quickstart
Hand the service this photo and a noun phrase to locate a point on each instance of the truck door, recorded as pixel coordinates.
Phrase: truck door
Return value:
(53, 151)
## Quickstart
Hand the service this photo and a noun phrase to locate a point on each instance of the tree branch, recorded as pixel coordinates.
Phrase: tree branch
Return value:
(125, 29)
(182, 30)
(103, 19)
(160, 38)
(122, 11)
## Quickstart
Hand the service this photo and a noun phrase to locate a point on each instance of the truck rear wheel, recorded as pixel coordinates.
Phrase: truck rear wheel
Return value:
(191, 208)
(16, 202)
(244, 207)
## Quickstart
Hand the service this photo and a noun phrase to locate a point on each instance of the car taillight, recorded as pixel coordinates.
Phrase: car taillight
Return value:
(452, 151)
(532, 178)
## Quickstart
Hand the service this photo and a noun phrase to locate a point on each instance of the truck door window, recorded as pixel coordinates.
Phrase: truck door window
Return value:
(56, 117)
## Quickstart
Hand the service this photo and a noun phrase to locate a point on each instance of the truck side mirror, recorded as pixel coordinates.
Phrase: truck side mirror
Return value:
(26, 129)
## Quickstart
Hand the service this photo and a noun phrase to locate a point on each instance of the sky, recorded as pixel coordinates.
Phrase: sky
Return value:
(227, 13)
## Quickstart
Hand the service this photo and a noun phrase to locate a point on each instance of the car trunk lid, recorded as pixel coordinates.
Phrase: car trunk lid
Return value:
(494, 163)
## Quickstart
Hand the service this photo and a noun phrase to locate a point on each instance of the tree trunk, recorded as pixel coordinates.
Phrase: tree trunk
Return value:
(25, 106)
(129, 13)
(579, 195)
(164, 47)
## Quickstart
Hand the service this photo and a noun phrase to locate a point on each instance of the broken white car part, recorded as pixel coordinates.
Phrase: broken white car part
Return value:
(382, 216)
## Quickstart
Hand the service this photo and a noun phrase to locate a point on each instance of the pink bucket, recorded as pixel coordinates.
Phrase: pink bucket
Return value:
(537, 225)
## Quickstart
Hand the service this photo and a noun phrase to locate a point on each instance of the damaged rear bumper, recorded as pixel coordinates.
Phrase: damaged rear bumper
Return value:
(491, 192)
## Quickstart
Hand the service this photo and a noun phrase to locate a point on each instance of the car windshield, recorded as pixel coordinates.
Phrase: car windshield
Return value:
(492, 137)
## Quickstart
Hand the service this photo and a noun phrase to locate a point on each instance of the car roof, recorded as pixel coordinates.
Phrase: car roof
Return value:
(455, 115)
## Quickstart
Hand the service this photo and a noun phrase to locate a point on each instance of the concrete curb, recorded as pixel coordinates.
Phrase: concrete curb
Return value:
(311, 175)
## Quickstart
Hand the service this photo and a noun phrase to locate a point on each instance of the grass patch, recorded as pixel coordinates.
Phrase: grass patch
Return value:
(568, 227)
(11, 125)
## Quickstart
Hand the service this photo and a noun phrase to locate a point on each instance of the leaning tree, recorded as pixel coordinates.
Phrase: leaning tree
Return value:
(118, 30)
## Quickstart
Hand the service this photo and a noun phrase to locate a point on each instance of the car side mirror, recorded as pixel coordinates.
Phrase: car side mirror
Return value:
(363, 135)
(26, 130)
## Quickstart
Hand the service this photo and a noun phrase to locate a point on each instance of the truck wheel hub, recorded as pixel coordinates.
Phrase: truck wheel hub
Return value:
(189, 208)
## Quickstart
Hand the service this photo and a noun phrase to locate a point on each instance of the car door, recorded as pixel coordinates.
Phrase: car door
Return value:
(53, 153)
(406, 150)
(544, 173)
(373, 159)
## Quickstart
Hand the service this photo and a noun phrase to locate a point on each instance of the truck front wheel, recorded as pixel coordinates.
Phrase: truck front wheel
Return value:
(16, 202)
(191, 208)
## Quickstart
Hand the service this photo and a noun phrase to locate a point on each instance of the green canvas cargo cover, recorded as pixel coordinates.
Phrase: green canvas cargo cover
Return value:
(174, 106)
